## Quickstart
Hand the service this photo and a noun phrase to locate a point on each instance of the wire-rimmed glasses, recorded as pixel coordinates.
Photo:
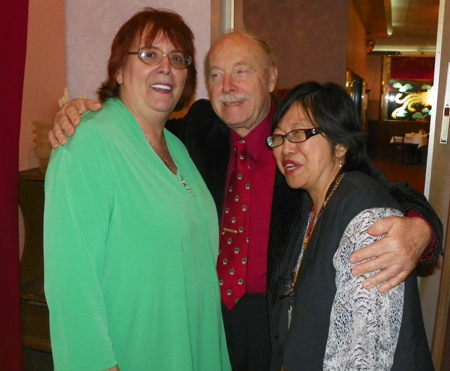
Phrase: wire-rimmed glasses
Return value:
(153, 56)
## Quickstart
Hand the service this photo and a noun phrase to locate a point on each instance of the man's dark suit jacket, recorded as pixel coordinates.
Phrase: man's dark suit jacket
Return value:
(207, 140)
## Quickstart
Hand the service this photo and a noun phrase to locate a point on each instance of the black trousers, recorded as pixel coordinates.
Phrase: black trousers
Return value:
(247, 332)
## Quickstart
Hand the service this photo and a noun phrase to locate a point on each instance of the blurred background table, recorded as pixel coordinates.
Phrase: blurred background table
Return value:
(411, 146)
(417, 138)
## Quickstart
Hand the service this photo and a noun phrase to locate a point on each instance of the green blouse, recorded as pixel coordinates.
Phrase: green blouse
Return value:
(130, 253)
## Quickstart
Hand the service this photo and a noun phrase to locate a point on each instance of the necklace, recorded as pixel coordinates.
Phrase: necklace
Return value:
(307, 237)
(310, 226)
(160, 155)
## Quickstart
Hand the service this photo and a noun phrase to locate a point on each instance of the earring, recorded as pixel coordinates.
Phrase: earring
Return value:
(340, 162)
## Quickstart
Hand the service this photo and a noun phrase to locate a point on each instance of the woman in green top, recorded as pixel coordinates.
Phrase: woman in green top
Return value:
(131, 282)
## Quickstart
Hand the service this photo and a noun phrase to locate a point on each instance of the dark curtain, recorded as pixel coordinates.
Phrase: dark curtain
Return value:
(412, 68)
(13, 46)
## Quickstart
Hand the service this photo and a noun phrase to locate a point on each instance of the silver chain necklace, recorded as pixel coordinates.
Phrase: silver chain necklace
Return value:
(160, 155)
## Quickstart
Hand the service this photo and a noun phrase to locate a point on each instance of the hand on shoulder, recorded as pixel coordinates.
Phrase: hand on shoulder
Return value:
(397, 254)
(69, 116)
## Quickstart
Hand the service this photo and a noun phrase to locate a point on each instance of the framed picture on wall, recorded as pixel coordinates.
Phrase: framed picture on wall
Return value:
(408, 100)
(407, 88)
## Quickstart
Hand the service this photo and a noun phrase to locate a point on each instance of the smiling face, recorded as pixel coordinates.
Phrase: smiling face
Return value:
(240, 81)
(311, 165)
(151, 90)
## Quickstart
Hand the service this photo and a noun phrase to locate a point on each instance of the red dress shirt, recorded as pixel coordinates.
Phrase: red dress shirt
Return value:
(263, 167)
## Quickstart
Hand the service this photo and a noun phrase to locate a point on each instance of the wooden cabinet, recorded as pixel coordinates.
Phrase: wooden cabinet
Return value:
(35, 323)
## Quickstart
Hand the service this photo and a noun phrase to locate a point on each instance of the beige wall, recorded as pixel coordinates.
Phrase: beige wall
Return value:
(45, 71)
(45, 76)
(92, 24)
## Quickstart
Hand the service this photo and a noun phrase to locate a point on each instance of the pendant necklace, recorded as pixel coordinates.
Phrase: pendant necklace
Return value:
(160, 155)
(166, 162)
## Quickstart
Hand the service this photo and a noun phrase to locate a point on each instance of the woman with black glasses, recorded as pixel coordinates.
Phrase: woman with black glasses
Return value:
(327, 320)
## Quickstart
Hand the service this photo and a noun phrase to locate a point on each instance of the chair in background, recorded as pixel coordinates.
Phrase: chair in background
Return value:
(398, 146)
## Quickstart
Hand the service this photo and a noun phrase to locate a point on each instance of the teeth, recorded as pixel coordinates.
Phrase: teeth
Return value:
(233, 103)
(162, 87)
(290, 167)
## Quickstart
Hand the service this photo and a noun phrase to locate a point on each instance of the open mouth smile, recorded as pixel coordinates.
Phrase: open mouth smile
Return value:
(290, 166)
(161, 87)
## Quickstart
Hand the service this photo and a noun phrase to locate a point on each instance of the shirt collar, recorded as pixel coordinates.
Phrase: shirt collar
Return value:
(256, 139)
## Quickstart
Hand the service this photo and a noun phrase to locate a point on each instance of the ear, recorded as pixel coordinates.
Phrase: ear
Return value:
(340, 150)
(273, 77)
(119, 77)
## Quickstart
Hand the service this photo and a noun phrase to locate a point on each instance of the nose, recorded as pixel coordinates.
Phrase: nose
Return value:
(287, 147)
(228, 83)
(164, 65)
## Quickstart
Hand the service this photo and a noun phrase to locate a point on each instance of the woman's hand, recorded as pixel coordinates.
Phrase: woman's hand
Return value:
(69, 116)
(397, 254)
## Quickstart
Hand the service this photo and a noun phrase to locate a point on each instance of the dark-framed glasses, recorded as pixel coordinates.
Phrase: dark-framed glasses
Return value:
(153, 56)
(294, 136)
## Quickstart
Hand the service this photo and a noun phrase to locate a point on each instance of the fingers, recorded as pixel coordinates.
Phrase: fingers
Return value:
(383, 254)
(413, 230)
(373, 265)
(54, 142)
(387, 278)
(406, 239)
(379, 248)
(393, 269)
(393, 263)
(395, 255)
(383, 226)
(89, 105)
(69, 116)
(393, 282)
(61, 125)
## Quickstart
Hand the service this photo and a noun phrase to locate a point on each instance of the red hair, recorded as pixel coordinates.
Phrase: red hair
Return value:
(155, 21)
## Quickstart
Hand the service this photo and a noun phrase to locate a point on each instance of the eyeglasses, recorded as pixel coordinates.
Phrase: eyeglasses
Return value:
(153, 56)
(294, 136)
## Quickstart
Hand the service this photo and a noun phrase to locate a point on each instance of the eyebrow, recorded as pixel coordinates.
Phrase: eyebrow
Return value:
(155, 47)
(295, 124)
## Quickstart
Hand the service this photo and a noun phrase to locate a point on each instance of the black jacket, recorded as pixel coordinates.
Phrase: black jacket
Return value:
(316, 287)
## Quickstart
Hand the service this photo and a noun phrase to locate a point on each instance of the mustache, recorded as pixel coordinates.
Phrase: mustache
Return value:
(232, 98)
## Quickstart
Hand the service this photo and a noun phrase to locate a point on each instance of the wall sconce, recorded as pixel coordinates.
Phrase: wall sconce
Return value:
(370, 44)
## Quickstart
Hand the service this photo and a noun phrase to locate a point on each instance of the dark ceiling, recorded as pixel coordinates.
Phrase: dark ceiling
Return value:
(405, 26)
